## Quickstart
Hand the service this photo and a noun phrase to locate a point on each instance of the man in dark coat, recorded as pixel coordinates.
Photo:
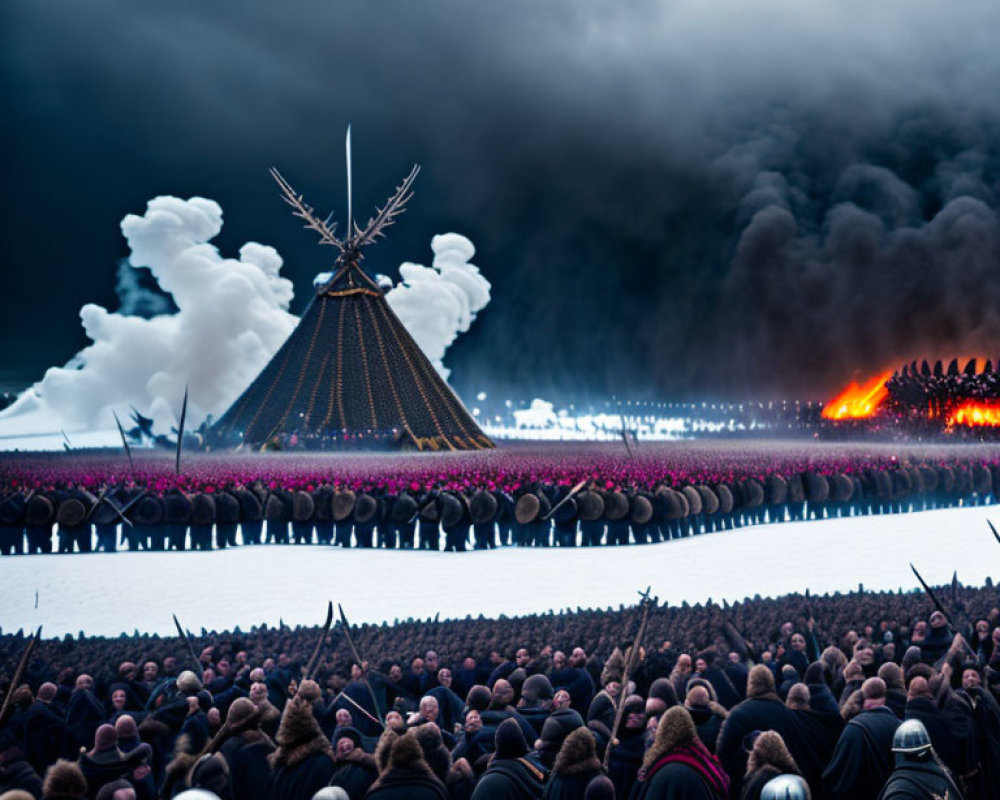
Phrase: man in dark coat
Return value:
(355, 770)
(304, 760)
(500, 709)
(762, 710)
(706, 713)
(510, 775)
(404, 774)
(562, 721)
(862, 760)
(45, 734)
(575, 679)
(106, 762)
(986, 715)
(84, 714)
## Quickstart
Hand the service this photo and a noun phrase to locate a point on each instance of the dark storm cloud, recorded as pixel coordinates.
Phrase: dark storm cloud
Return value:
(669, 198)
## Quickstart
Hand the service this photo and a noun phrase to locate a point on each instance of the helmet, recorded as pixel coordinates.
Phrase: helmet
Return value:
(785, 787)
(911, 737)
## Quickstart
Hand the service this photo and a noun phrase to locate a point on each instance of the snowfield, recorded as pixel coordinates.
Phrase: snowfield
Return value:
(111, 593)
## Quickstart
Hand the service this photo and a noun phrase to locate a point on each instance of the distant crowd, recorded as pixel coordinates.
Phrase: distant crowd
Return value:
(853, 696)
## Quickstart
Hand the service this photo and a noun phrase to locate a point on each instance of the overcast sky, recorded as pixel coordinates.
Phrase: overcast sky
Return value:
(671, 199)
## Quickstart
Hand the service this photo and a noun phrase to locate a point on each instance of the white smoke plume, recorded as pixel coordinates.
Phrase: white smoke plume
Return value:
(439, 302)
(231, 318)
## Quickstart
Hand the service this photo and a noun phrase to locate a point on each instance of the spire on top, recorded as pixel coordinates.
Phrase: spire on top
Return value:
(351, 245)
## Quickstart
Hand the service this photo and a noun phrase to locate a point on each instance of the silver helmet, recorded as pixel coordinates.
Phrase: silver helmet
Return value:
(785, 787)
(911, 737)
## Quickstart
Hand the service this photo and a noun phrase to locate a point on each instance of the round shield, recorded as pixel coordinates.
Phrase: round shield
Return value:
(883, 484)
(430, 510)
(775, 490)
(452, 509)
(39, 511)
(177, 509)
(725, 498)
(227, 509)
(148, 511)
(817, 488)
(250, 507)
(841, 487)
(618, 507)
(754, 492)
(303, 506)
(202, 509)
(642, 510)
(709, 500)
(590, 506)
(343, 504)
(693, 499)
(482, 508)
(526, 510)
(403, 509)
(71, 513)
(365, 508)
(274, 509)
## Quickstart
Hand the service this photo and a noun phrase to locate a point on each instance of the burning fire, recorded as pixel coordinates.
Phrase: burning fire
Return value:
(858, 402)
(973, 414)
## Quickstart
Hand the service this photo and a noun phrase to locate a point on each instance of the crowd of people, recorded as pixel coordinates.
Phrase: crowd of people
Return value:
(479, 511)
(934, 390)
(860, 695)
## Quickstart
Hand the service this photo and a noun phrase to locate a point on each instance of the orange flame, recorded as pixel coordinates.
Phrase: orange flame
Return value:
(858, 402)
(973, 414)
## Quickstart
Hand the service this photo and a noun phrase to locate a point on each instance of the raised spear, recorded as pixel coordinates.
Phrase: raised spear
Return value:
(646, 603)
(187, 640)
(930, 593)
(995, 534)
(22, 665)
(128, 450)
(319, 642)
(357, 657)
(575, 490)
(180, 432)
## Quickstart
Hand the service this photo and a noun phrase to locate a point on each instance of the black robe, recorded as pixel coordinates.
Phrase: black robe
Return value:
(249, 773)
(862, 760)
(510, 779)
(355, 774)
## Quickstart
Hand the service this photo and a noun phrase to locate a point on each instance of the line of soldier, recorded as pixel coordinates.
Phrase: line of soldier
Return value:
(539, 515)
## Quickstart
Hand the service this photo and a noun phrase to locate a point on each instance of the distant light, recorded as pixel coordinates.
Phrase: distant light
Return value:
(481, 396)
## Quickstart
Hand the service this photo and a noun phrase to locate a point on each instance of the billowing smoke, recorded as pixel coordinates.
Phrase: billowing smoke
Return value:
(211, 323)
(439, 302)
(744, 199)
(862, 271)
(231, 317)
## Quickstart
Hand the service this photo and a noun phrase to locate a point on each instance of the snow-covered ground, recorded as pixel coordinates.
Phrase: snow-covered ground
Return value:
(115, 592)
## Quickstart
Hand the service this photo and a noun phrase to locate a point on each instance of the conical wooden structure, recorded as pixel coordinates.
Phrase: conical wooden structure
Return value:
(350, 375)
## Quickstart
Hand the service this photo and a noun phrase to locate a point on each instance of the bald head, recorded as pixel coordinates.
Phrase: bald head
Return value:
(697, 696)
(873, 689)
(919, 687)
